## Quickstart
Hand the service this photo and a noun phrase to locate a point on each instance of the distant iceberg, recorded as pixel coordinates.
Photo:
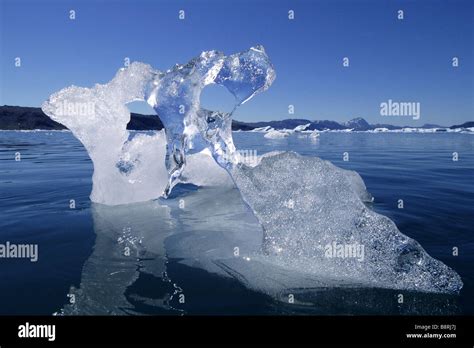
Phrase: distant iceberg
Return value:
(277, 134)
(301, 128)
(261, 129)
(271, 133)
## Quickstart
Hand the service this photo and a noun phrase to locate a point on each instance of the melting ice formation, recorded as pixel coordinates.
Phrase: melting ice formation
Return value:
(303, 204)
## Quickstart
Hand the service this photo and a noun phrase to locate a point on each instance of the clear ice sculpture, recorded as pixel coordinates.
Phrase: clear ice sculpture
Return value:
(328, 204)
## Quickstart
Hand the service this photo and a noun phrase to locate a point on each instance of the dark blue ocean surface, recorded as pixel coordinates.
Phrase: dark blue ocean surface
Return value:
(82, 268)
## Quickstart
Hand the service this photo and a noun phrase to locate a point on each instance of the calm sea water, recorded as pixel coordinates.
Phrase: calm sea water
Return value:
(171, 265)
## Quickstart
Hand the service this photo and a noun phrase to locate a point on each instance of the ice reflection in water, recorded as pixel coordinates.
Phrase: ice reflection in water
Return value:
(136, 244)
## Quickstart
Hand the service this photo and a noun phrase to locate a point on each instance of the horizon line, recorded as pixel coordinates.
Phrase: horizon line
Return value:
(275, 120)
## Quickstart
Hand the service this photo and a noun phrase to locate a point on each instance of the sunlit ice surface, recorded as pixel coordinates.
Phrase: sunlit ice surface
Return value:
(306, 207)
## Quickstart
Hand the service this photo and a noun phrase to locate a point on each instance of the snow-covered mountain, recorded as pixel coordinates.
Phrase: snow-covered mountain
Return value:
(358, 124)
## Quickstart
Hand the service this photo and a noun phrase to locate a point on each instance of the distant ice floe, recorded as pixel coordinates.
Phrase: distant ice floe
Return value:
(380, 130)
(301, 128)
(277, 134)
(271, 133)
(422, 130)
(261, 129)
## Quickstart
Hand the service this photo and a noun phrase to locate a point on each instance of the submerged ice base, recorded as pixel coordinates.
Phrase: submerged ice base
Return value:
(306, 206)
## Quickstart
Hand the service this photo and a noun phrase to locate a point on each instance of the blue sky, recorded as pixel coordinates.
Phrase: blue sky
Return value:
(408, 60)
